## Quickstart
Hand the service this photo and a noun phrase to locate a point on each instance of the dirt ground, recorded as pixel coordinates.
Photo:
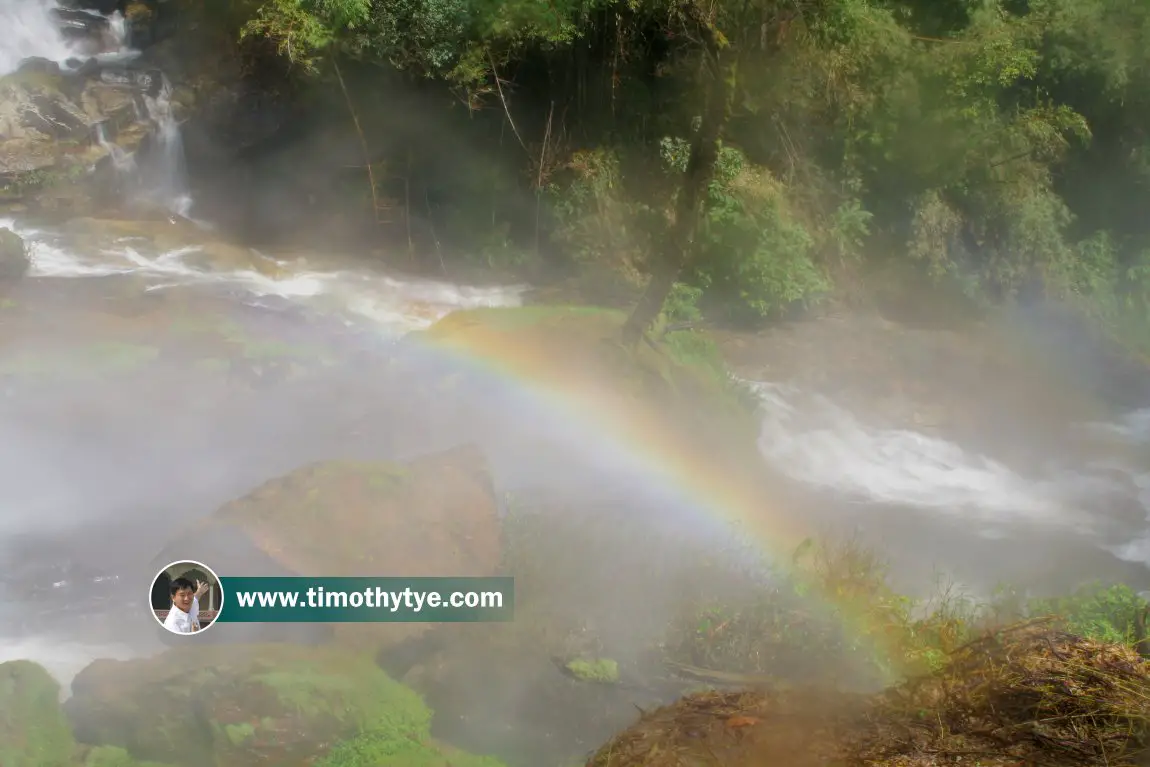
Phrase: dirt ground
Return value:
(1027, 695)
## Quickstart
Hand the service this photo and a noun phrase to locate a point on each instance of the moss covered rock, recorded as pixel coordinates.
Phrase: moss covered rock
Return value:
(674, 391)
(234, 707)
(602, 670)
(113, 756)
(577, 349)
(431, 517)
(33, 730)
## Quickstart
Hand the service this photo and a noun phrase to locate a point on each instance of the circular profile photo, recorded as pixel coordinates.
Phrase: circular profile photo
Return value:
(186, 597)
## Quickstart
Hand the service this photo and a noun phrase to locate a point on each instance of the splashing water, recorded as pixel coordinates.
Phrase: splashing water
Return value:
(392, 304)
(815, 441)
(821, 444)
(124, 162)
(30, 30)
(167, 181)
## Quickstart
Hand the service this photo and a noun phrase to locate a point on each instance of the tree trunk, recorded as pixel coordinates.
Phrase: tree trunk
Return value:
(677, 250)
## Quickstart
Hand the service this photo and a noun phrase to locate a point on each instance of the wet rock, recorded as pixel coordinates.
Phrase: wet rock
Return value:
(38, 64)
(259, 704)
(50, 129)
(14, 262)
(229, 110)
(75, 22)
(434, 516)
(33, 730)
(102, 7)
(168, 234)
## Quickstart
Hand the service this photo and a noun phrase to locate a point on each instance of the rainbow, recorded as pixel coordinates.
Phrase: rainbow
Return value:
(641, 439)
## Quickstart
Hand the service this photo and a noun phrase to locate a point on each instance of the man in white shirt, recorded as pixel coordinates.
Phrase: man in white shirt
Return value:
(184, 617)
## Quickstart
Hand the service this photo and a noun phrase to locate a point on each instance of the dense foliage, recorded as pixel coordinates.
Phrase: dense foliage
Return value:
(995, 146)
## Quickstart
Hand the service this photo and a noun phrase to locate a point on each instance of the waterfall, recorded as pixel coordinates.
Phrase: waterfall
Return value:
(124, 162)
(167, 174)
(118, 26)
(159, 176)
(30, 29)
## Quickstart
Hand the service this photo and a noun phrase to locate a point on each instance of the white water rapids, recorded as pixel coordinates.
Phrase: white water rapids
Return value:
(805, 435)
(818, 442)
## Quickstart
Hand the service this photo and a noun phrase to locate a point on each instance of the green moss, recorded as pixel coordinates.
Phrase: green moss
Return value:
(121, 356)
(510, 318)
(386, 476)
(683, 370)
(99, 358)
(113, 756)
(685, 350)
(238, 733)
(383, 749)
(33, 731)
(363, 697)
(32, 78)
(598, 670)
(274, 705)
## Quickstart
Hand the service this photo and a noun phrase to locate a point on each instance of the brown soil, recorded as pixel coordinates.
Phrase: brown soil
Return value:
(1024, 696)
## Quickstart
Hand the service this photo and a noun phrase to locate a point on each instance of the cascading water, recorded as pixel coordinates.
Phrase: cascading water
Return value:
(30, 29)
(166, 177)
(124, 162)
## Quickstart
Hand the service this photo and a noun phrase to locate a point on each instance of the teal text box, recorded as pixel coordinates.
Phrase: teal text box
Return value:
(367, 600)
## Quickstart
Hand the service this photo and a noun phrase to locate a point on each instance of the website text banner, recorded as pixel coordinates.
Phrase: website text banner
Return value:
(367, 600)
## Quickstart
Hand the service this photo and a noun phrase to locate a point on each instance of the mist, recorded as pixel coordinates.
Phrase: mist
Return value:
(139, 397)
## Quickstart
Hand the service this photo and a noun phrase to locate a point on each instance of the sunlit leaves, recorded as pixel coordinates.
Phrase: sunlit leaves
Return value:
(303, 29)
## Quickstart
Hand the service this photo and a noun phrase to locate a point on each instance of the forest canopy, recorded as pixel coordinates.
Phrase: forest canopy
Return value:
(995, 147)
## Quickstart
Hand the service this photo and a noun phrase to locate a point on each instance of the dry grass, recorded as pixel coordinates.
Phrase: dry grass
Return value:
(1024, 696)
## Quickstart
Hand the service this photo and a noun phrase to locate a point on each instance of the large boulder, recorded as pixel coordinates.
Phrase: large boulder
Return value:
(234, 707)
(56, 126)
(433, 516)
(33, 730)
(14, 262)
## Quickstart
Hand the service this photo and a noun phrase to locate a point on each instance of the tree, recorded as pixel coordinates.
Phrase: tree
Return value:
(719, 79)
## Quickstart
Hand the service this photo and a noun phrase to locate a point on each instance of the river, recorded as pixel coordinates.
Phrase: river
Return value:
(96, 469)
